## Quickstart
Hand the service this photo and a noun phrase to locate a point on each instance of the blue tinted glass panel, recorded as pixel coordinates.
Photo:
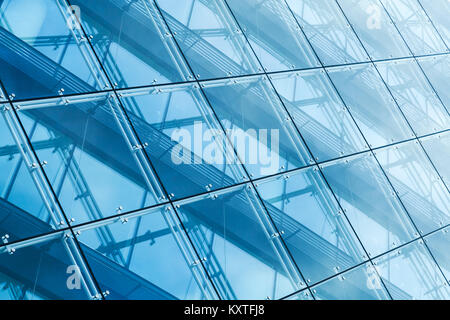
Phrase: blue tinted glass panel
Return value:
(319, 114)
(417, 184)
(258, 125)
(23, 212)
(88, 161)
(320, 239)
(374, 28)
(240, 247)
(410, 273)
(132, 44)
(328, 31)
(414, 25)
(274, 34)
(437, 70)
(41, 270)
(382, 224)
(186, 144)
(371, 105)
(361, 283)
(139, 258)
(209, 38)
(417, 99)
(438, 149)
(438, 243)
(40, 55)
(438, 10)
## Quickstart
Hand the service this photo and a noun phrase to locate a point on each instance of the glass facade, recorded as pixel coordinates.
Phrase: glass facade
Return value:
(224, 149)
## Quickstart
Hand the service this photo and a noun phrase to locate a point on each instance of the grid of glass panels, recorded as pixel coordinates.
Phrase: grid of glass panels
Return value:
(222, 149)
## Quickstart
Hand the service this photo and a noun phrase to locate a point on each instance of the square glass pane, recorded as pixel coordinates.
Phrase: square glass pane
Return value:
(417, 99)
(417, 184)
(439, 243)
(328, 31)
(438, 10)
(320, 239)
(132, 43)
(139, 258)
(40, 54)
(274, 34)
(414, 25)
(188, 148)
(361, 283)
(242, 251)
(369, 203)
(87, 159)
(437, 69)
(319, 114)
(209, 37)
(257, 124)
(23, 212)
(374, 28)
(411, 274)
(42, 269)
(438, 149)
(370, 103)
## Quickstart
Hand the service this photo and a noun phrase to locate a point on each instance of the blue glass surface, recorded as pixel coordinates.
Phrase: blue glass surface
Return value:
(41, 271)
(134, 51)
(224, 149)
(328, 31)
(371, 104)
(374, 28)
(93, 178)
(321, 117)
(209, 38)
(361, 283)
(411, 273)
(381, 225)
(233, 233)
(40, 55)
(429, 209)
(274, 34)
(321, 240)
(259, 127)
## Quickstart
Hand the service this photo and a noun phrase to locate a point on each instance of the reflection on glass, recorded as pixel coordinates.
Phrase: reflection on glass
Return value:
(141, 259)
(414, 95)
(209, 38)
(374, 28)
(131, 42)
(411, 273)
(437, 70)
(274, 34)
(415, 26)
(437, 11)
(439, 243)
(417, 184)
(328, 31)
(40, 56)
(43, 270)
(186, 144)
(259, 127)
(320, 240)
(361, 283)
(88, 161)
(319, 114)
(370, 203)
(240, 247)
(22, 211)
(371, 104)
(438, 149)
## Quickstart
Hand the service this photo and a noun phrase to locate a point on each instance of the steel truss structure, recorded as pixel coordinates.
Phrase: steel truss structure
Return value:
(93, 205)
